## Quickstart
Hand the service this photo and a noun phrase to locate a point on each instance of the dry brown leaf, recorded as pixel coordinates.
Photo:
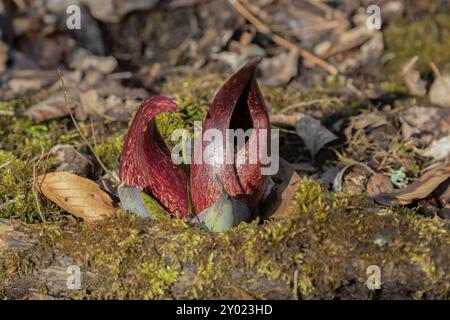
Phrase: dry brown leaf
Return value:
(285, 183)
(345, 41)
(314, 134)
(440, 91)
(279, 70)
(351, 179)
(71, 160)
(51, 108)
(378, 183)
(80, 196)
(27, 81)
(416, 85)
(418, 190)
(429, 129)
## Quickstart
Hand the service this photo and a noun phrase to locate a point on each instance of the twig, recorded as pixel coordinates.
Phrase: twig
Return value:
(94, 137)
(7, 113)
(295, 288)
(285, 119)
(436, 71)
(7, 163)
(36, 197)
(308, 103)
(261, 27)
(66, 96)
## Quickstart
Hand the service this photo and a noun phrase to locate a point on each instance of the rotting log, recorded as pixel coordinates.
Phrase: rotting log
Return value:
(321, 249)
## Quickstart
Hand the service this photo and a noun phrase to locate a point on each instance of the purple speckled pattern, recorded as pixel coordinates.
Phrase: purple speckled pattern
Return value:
(146, 163)
(245, 181)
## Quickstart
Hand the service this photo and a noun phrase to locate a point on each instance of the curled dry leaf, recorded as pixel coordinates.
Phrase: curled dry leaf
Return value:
(71, 160)
(314, 134)
(27, 81)
(440, 91)
(82, 59)
(413, 81)
(351, 179)
(80, 196)
(418, 190)
(429, 129)
(51, 108)
(366, 121)
(347, 40)
(378, 183)
(239, 55)
(372, 50)
(282, 189)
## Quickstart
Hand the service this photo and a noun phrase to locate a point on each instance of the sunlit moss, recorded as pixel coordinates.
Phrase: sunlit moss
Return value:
(323, 246)
(427, 38)
(109, 151)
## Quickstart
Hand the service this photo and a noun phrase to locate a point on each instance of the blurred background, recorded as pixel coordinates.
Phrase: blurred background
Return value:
(153, 40)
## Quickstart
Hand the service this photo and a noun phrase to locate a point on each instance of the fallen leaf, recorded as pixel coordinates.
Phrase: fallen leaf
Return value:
(442, 194)
(440, 91)
(284, 119)
(112, 107)
(82, 59)
(444, 213)
(239, 54)
(372, 50)
(314, 134)
(438, 149)
(351, 179)
(52, 107)
(413, 81)
(345, 41)
(280, 192)
(365, 121)
(80, 196)
(26, 81)
(280, 69)
(429, 129)
(417, 190)
(378, 183)
(71, 160)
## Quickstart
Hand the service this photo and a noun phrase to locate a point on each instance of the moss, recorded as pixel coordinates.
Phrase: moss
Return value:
(190, 111)
(428, 38)
(16, 180)
(323, 246)
(109, 151)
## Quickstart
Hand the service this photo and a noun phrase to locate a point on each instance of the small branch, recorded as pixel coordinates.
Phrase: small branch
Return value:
(35, 194)
(7, 113)
(435, 69)
(261, 27)
(66, 96)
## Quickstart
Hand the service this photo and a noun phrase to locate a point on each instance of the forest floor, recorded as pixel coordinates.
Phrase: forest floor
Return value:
(390, 136)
